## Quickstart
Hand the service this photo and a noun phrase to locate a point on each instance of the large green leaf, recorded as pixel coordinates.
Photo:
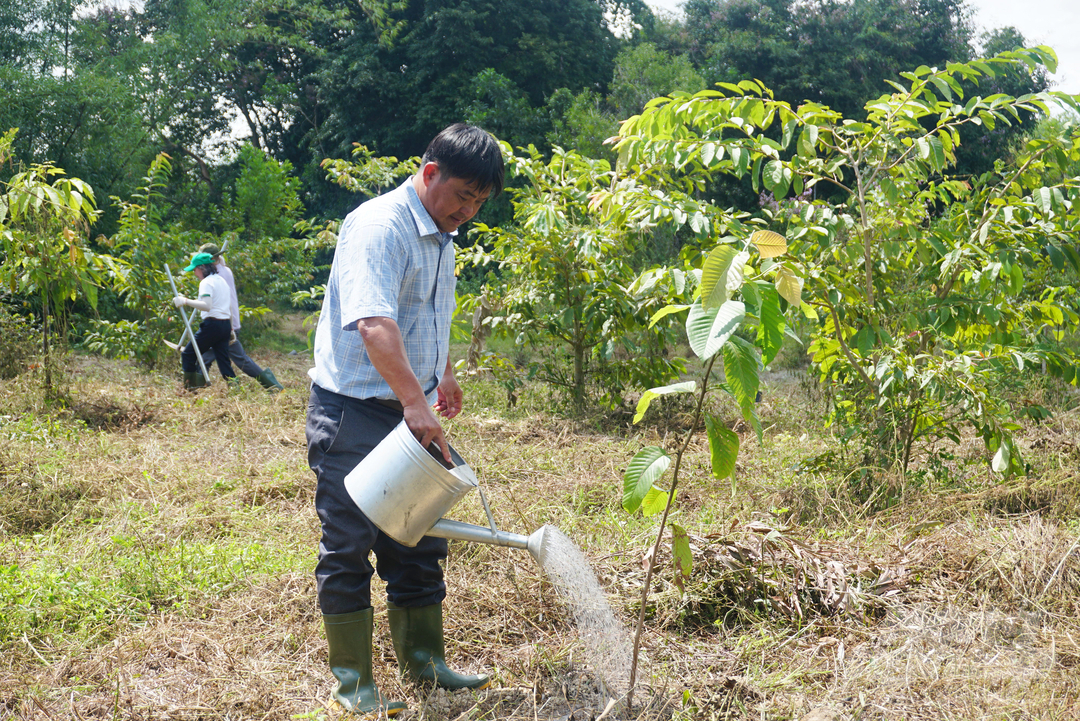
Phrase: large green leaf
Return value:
(741, 371)
(789, 286)
(714, 275)
(736, 274)
(666, 310)
(740, 159)
(699, 223)
(681, 558)
(655, 501)
(723, 447)
(708, 330)
(771, 328)
(808, 141)
(924, 148)
(775, 178)
(750, 416)
(644, 469)
(1002, 458)
(648, 396)
(1044, 200)
(937, 153)
(769, 244)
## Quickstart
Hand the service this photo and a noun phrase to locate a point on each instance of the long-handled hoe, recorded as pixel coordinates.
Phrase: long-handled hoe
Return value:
(187, 325)
(179, 346)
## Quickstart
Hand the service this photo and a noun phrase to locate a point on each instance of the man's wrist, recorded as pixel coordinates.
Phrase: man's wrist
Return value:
(420, 400)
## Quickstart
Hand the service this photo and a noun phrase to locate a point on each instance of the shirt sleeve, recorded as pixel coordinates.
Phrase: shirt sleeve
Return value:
(370, 271)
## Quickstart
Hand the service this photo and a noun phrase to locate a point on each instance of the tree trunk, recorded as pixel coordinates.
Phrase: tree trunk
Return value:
(46, 362)
(579, 376)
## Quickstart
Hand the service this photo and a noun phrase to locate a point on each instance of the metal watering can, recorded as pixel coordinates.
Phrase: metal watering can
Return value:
(405, 490)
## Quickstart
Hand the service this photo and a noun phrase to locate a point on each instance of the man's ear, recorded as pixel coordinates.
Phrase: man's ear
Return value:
(429, 173)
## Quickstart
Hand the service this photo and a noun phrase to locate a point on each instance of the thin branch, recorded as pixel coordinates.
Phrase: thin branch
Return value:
(847, 351)
(663, 524)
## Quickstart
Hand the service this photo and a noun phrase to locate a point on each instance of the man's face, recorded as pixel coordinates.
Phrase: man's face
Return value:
(450, 201)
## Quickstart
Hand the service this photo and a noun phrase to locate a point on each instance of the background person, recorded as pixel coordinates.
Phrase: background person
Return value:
(214, 331)
(382, 354)
(237, 355)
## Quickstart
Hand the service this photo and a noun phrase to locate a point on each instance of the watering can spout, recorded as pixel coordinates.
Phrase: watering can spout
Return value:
(535, 544)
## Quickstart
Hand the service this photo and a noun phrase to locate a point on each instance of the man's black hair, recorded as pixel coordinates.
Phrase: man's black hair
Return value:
(467, 152)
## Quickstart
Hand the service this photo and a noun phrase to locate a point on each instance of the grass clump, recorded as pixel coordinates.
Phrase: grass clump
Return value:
(75, 596)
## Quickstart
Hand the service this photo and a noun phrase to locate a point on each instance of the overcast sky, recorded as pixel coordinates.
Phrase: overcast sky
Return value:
(1042, 22)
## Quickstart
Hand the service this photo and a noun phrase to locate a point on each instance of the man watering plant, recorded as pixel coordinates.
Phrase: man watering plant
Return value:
(381, 354)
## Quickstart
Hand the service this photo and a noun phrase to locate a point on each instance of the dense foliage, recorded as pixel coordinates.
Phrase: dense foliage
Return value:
(100, 91)
(246, 113)
(566, 285)
(924, 288)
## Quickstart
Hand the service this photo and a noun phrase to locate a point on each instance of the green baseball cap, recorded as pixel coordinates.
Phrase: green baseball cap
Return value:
(199, 259)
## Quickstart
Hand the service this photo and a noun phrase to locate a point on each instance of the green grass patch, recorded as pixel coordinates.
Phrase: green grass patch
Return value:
(81, 593)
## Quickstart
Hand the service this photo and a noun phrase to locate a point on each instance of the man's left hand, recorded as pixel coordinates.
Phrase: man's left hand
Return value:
(448, 404)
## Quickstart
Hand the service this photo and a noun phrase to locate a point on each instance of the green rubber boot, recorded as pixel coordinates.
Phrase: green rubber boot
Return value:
(418, 644)
(194, 380)
(268, 381)
(348, 638)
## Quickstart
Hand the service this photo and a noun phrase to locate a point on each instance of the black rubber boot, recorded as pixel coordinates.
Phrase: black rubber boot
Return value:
(348, 638)
(268, 381)
(194, 380)
(418, 644)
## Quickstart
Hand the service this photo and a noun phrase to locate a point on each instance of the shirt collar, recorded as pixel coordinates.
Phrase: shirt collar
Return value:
(423, 218)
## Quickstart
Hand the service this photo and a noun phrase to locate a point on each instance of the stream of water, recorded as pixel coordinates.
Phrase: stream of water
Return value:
(605, 639)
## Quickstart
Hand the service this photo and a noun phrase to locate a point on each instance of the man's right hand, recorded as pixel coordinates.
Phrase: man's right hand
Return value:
(382, 338)
(425, 427)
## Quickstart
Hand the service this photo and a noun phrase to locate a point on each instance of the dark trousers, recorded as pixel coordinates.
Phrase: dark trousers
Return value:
(237, 355)
(213, 333)
(341, 431)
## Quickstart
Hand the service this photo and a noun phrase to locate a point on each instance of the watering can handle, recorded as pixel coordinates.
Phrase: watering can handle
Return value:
(487, 510)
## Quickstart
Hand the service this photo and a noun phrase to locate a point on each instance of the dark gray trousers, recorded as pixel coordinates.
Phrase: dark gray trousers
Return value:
(238, 356)
(341, 431)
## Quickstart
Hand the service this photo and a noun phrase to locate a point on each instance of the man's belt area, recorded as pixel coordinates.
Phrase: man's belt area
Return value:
(396, 405)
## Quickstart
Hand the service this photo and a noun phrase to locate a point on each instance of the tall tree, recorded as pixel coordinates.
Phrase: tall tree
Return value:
(395, 94)
(834, 52)
(642, 72)
(65, 88)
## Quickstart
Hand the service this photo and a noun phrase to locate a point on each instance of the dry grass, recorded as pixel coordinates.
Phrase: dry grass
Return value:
(959, 601)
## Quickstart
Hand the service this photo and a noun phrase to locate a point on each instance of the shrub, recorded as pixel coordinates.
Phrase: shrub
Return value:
(19, 342)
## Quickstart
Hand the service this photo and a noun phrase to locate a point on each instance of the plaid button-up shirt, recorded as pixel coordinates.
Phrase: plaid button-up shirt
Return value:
(391, 261)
